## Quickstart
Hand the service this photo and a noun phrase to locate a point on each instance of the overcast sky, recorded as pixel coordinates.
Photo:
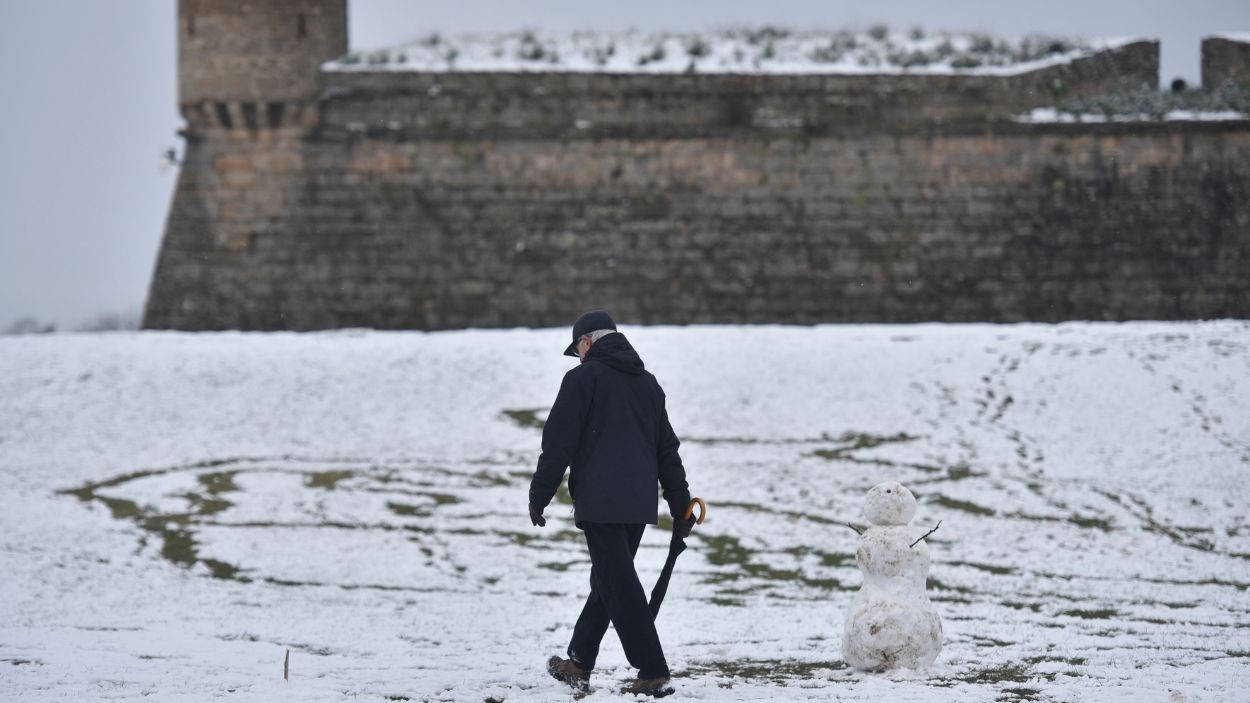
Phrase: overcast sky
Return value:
(89, 90)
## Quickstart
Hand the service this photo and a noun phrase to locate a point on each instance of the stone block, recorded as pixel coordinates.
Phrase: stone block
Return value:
(1226, 60)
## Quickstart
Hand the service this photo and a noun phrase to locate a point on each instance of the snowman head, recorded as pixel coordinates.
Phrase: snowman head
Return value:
(889, 503)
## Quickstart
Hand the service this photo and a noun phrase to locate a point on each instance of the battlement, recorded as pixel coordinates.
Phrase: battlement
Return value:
(1226, 59)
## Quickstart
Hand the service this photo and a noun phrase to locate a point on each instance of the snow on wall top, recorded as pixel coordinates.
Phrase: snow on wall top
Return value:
(765, 50)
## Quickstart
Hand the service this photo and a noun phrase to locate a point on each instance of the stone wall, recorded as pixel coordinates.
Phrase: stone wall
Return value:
(361, 224)
(442, 200)
(1225, 60)
(407, 105)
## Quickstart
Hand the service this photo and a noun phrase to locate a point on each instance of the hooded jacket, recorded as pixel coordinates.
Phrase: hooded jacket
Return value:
(609, 426)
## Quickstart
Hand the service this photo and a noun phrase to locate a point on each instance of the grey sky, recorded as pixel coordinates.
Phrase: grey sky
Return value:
(89, 91)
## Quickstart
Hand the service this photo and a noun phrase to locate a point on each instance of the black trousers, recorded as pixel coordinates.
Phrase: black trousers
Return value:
(617, 596)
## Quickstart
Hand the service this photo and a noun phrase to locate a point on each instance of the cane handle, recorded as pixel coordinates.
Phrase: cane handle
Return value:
(702, 510)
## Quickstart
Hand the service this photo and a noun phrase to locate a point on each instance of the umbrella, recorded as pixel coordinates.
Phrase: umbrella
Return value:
(675, 547)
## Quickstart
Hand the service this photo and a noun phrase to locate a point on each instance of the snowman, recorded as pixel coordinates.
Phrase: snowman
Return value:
(891, 623)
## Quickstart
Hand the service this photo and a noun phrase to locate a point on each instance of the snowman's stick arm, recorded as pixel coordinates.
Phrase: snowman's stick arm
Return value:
(926, 534)
(857, 530)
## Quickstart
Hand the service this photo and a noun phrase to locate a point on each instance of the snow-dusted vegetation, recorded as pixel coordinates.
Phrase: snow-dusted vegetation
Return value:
(179, 511)
(759, 50)
(1225, 102)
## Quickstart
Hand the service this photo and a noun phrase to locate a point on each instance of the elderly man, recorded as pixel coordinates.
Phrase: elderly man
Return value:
(609, 425)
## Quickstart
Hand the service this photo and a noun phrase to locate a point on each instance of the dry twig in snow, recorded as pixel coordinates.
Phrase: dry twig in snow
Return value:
(926, 534)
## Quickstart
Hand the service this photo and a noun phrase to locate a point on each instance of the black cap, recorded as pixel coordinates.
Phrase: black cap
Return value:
(587, 323)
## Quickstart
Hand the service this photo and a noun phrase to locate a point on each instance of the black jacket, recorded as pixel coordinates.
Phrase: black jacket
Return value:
(609, 424)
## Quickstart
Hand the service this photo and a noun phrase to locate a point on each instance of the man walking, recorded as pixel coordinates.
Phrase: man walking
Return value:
(609, 425)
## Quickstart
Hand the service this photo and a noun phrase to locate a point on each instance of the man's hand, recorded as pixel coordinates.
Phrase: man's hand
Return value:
(682, 526)
(536, 516)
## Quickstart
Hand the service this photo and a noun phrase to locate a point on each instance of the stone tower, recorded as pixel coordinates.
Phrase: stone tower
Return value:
(254, 64)
(250, 88)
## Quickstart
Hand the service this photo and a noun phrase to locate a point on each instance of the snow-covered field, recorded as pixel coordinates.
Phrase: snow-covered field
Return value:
(178, 511)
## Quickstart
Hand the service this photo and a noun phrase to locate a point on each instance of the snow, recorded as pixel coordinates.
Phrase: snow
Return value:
(1050, 114)
(358, 498)
(1234, 36)
(892, 623)
(765, 50)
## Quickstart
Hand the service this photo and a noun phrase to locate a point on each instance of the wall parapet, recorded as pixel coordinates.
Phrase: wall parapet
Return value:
(574, 105)
(1226, 59)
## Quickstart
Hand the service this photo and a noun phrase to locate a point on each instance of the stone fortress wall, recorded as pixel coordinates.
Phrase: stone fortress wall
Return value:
(409, 200)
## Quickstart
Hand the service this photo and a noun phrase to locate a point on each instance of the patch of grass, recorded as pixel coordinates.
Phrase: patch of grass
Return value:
(218, 482)
(1019, 694)
(222, 570)
(1070, 661)
(121, 509)
(784, 441)
(1091, 522)
(1008, 673)
(526, 417)
(1096, 614)
(1174, 606)
(206, 506)
(486, 478)
(992, 642)
(406, 510)
(959, 472)
(831, 559)
(88, 491)
(1079, 521)
(523, 539)
(327, 480)
(177, 544)
(726, 550)
(933, 584)
(773, 670)
(856, 441)
(962, 505)
(559, 566)
(1035, 607)
(988, 568)
(862, 440)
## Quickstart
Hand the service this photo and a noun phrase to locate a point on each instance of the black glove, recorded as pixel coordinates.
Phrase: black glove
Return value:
(536, 516)
(682, 526)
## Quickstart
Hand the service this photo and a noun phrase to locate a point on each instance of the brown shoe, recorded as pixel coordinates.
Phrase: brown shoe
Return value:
(568, 672)
(656, 688)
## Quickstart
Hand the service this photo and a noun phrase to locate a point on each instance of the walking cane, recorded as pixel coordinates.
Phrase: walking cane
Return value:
(675, 547)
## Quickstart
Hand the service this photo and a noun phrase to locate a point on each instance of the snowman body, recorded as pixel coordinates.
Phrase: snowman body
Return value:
(891, 623)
